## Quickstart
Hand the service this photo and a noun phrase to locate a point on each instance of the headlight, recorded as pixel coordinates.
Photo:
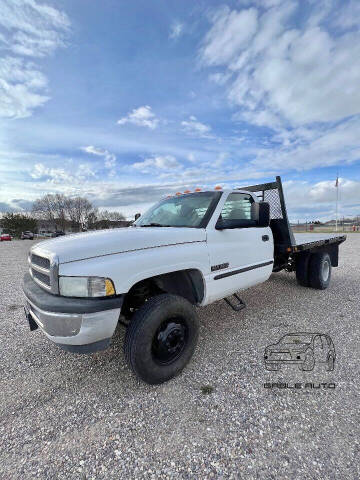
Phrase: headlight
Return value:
(86, 287)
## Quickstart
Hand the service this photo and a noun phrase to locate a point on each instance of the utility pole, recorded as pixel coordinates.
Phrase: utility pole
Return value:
(337, 200)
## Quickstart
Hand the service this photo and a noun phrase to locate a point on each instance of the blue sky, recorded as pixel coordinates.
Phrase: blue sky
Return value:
(124, 102)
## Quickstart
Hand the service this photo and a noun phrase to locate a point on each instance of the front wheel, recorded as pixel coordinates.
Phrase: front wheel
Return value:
(161, 338)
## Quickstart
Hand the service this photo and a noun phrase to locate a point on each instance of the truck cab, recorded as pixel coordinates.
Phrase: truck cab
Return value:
(188, 250)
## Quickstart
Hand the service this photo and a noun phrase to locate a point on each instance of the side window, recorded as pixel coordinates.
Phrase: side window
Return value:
(238, 206)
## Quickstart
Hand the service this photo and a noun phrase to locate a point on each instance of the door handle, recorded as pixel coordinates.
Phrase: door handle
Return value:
(265, 238)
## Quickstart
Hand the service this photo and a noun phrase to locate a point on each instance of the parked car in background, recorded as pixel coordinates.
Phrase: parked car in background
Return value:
(58, 233)
(5, 237)
(27, 235)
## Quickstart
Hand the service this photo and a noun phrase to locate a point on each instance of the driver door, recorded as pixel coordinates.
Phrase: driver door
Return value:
(239, 257)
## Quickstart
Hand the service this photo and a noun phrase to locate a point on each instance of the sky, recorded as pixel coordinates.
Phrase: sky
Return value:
(125, 102)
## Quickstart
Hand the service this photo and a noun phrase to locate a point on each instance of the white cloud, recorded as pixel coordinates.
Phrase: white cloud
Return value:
(29, 29)
(230, 33)
(32, 28)
(304, 149)
(317, 201)
(110, 158)
(57, 175)
(191, 157)
(176, 30)
(160, 162)
(142, 117)
(193, 127)
(349, 15)
(300, 75)
(21, 88)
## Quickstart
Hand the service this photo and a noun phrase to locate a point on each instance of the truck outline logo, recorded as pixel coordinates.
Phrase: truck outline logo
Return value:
(303, 349)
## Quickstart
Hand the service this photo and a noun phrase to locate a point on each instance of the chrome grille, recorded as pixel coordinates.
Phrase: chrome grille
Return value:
(40, 261)
(44, 271)
(42, 277)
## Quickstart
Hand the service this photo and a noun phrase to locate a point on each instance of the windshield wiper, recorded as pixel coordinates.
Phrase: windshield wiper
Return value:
(153, 224)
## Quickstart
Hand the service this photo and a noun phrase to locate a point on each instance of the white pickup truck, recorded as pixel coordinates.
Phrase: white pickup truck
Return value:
(188, 250)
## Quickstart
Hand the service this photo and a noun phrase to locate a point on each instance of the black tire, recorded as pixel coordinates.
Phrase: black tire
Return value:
(302, 269)
(161, 338)
(320, 270)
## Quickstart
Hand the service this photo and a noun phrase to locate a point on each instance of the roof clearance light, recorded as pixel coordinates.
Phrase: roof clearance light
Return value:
(178, 193)
(218, 187)
(187, 191)
(197, 189)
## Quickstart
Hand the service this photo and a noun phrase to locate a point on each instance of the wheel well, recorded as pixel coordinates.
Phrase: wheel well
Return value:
(332, 250)
(185, 283)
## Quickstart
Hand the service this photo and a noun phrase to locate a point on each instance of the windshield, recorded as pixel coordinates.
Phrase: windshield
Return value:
(190, 210)
(296, 339)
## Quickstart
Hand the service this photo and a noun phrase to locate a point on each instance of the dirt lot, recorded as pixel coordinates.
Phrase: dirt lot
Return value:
(66, 416)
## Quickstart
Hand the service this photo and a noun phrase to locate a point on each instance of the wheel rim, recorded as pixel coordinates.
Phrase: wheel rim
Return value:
(169, 341)
(326, 270)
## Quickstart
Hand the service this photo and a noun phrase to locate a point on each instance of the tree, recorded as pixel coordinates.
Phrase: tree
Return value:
(44, 208)
(15, 223)
(92, 219)
(111, 216)
(59, 207)
(79, 210)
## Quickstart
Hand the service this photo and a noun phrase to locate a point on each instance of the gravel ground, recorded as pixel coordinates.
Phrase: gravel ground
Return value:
(67, 416)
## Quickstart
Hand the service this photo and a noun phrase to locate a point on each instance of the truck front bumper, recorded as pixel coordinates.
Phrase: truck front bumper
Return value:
(81, 325)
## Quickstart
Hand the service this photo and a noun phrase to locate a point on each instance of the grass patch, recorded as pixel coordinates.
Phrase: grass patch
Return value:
(207, 389)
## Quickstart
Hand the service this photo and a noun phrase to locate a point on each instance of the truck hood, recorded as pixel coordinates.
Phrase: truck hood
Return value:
(119, 240)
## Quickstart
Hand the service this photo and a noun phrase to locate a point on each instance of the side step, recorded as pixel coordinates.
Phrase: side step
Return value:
(238, 306)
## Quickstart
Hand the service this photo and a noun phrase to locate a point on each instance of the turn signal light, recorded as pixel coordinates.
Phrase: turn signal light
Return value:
(109, 287)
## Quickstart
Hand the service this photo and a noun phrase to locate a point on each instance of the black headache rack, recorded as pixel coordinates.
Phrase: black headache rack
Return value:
(279, 222)
(284, 240)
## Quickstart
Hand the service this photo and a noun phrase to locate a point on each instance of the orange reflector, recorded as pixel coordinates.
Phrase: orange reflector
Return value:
(178, 193)
(218, 187)
(288, 249)
(197, 189)
(187, 191)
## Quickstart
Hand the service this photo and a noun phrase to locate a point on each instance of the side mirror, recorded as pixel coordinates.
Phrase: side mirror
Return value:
(264, 214)
(137, 215)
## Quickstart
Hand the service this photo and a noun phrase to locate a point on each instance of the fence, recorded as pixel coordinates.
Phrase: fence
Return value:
(323, 228)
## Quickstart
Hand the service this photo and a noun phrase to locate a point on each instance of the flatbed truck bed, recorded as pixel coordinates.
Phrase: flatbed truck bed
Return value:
(290, 249)
(306, 241)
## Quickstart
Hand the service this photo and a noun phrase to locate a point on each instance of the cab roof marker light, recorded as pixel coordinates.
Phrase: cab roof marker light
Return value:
(187, 191)
(178, 193)
(218, 187)
(197, 189)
